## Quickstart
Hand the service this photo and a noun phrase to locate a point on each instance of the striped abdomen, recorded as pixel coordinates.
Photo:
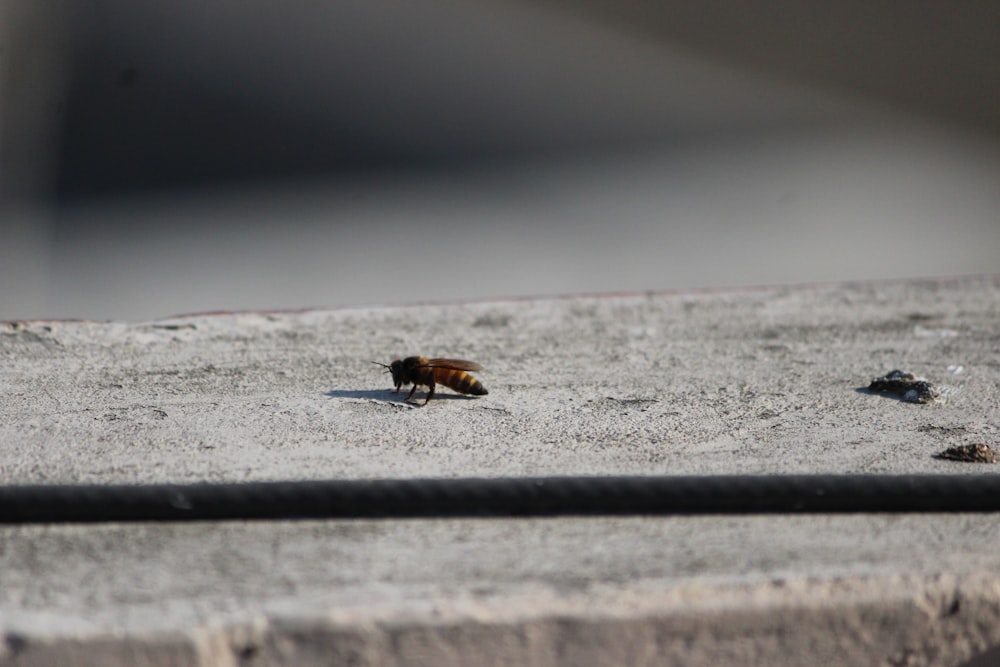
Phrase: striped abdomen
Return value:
(459, 380)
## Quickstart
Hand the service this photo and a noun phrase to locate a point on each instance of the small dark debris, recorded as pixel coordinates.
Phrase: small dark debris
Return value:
(502, 410)
(941, 430)
(910, 388)
(16, 643)
(977, 453)
(173, 327)
(247, 652)
(632, 401)
(954, 607)
(492, 321)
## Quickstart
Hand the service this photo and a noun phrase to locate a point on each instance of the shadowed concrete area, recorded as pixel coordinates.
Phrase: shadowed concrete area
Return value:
(767, 380)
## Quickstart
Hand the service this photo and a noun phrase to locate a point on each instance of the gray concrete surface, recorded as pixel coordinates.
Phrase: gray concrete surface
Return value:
(741, 381)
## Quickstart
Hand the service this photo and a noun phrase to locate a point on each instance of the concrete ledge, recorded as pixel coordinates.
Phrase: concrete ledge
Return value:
(938, 620)
(766, 381)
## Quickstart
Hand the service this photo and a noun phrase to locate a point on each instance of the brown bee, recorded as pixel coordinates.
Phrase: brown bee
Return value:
(449, 372)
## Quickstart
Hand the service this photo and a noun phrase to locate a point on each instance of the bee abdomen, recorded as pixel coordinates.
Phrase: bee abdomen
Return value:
(460, 381)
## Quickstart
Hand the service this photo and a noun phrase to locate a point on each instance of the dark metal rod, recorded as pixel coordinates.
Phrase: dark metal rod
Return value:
(501, 497)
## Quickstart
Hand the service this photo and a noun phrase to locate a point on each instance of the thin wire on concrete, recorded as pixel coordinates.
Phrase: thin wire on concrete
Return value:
(501, 497)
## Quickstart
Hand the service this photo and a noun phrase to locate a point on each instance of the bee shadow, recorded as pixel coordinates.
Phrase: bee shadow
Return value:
(359, 393)
(390, 395)
(882, 394)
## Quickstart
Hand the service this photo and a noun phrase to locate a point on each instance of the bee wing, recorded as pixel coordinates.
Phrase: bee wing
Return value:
(453, 364)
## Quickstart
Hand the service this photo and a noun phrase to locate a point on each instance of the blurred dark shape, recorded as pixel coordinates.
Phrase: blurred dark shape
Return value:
(940, 59)
(196, 94)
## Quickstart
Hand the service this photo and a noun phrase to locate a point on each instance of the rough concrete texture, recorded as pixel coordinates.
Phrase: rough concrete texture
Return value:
(745, 381)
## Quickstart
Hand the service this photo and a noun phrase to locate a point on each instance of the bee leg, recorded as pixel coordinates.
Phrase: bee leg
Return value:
(430, 393)
(410, 395)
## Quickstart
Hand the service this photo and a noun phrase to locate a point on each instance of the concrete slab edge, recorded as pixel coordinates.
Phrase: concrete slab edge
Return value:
(935, 620)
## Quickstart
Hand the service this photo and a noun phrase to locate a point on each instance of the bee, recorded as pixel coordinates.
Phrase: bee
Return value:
(449, 372)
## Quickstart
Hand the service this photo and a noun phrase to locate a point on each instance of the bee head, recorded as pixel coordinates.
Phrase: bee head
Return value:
(396, 368)
(398, 374)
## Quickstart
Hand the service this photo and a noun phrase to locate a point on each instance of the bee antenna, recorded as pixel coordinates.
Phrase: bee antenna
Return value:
(386, 366)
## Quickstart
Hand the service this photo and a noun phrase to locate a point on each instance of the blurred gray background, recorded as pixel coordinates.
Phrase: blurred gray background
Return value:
(160, 158)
